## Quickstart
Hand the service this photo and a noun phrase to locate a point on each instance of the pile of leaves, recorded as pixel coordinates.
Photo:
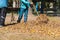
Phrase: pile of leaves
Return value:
(42, 19)
(41, 25)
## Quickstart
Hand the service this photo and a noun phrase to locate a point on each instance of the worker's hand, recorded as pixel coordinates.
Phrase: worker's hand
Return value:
(31, 4)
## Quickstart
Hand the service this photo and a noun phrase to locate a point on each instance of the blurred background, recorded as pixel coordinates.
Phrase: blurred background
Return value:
(51, 6)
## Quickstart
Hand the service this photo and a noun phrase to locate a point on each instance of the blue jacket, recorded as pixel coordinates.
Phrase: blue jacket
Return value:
(3, 3)
(24, 3)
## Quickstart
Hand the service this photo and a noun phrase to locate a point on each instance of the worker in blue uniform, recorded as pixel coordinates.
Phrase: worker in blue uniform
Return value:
(24, 5)
(3, 6)
(42, 7)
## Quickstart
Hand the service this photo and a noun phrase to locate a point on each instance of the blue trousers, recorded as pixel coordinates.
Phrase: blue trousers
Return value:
(42, 9)
(2, 15)
(21, 12)
(36, 6)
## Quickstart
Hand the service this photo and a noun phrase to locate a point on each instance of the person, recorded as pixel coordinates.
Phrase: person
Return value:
(3, 6)
(36, 6)
(23, 10)
(42, 7)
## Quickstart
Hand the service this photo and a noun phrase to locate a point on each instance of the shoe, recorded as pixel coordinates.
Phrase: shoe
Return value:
(18, 21)
(1, 26)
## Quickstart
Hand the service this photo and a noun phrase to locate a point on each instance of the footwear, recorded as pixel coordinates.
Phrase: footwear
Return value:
(18, 21)
(1, 26)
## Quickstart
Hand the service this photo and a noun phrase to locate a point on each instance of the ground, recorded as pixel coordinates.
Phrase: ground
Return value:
(31, 30)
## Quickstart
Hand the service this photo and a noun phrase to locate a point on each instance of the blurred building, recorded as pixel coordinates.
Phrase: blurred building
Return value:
(14, 3)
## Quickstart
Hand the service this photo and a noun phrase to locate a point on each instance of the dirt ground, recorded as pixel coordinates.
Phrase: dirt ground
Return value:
(31, 30)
